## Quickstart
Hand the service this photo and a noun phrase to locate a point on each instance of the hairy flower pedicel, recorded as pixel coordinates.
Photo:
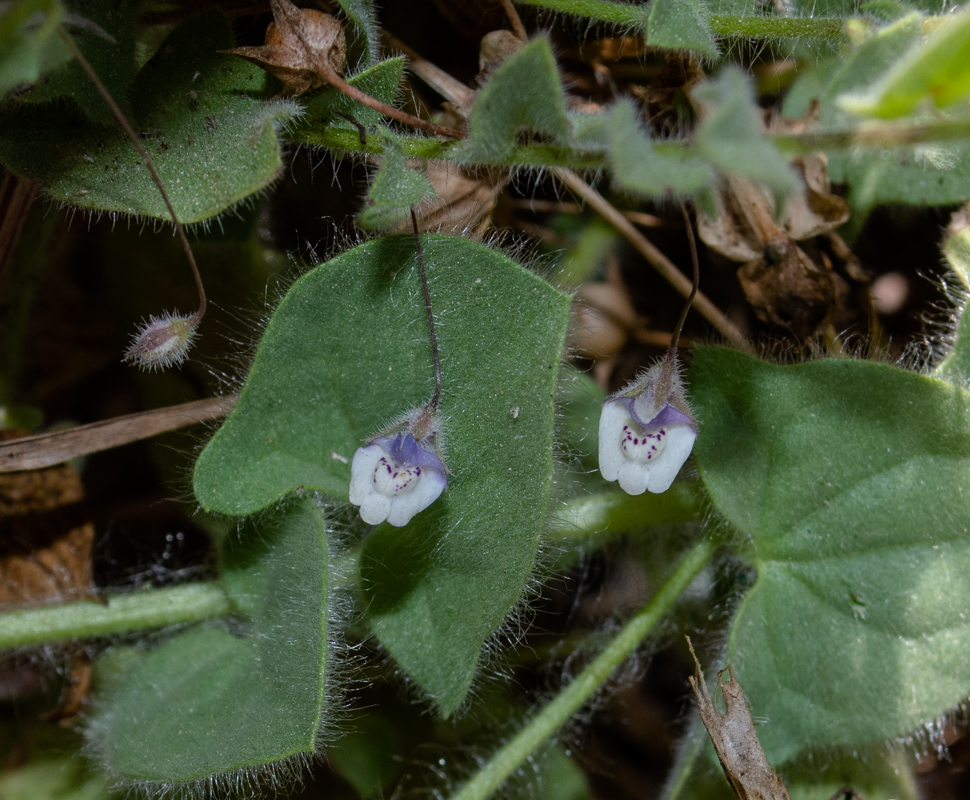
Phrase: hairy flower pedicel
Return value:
(395, 477)
(646, 430)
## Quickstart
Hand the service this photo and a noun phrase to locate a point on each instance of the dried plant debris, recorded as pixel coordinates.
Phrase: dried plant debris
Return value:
(462, 204)
(735, 740)
(45, 557)
(45, 551)
(302, 47)
(797, 273)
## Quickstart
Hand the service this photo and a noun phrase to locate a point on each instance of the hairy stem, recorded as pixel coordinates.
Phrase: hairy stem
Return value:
(125, 612)
(695, 263)
(876, 134)
(544, 724)
(427, 305)
(751, 26)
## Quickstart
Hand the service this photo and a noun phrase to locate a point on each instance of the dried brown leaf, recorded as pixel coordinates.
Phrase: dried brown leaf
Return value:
(735, 739)
(786, 288)
(45, 550)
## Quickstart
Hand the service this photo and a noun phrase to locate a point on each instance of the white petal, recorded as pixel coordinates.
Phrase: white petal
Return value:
(430, 486)
(634, 477)
(375, 508)
(612, 419)
(680, 441)
(362, 472)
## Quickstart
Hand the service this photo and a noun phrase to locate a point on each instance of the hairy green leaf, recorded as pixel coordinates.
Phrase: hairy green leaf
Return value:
(680, 25)
(361, 13)
(731, 134)
(212, 142)
(931, 174)
(638, 166)
(936, 68)
(211, 700)
(524, 92)
(113, 61)
(849, 479)
(346, 352)
(394, 190)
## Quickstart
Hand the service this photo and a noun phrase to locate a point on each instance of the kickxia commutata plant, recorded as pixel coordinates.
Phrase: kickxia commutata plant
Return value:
(520, 398)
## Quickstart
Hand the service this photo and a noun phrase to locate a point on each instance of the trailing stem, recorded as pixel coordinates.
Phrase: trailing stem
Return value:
(544, 724)
(118, 614)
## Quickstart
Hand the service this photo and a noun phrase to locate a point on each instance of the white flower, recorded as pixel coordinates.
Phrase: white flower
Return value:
(395, 477)
(646, 433)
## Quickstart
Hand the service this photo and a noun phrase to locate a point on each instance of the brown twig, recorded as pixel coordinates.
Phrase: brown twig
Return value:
(397, 114)
(658, 260)
(47, 449)
(515, 20)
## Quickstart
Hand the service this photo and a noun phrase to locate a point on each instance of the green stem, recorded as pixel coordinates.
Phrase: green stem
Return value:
(752, 26)
(758, 27)
(621, 14)
(422, 147)
(615, 511)
(507, 760)
(875, 134)
(153, 608)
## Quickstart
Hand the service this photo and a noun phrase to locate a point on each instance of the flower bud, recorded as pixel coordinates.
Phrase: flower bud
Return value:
(163, 342)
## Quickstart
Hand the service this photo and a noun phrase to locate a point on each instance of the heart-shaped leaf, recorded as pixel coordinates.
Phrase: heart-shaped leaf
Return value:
(346, 352)
(850, 480)
(212, 701)
(212, 142)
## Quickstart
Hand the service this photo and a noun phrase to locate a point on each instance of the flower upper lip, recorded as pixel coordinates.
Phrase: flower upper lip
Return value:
(668, 415)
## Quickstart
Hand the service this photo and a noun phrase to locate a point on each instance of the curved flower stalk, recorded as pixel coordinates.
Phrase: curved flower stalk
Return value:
(647, 432)
(164, 342)
(394, 477)
(647, 429)
(397, 476)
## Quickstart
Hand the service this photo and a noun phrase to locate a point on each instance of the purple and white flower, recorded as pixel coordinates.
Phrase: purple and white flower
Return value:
(646, 432)
(395, 477)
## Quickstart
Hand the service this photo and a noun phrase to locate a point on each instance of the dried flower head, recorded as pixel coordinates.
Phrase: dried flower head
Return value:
(647, 432)
(302, 47)
(163, 342)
